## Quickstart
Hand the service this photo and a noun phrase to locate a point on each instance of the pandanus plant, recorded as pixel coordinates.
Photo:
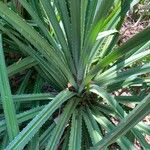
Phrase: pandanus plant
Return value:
(73, 46)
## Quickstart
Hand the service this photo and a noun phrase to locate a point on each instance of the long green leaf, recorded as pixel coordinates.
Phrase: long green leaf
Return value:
(45, 136)
(32, 97)
(55, 24)
(118, 109)
(137, 40)
(51, 69)
(75, 29)
(37, 19)
(123, 142)
(76, 131)
(7, 101)
(109, 99)
(112, 70)
(130, 74)
(92, 126)
(22, 117)
(124, 8)
(21, 65)
(61, 124)
(36, 39)
(100, 13)
(30, 130)
(126, 124)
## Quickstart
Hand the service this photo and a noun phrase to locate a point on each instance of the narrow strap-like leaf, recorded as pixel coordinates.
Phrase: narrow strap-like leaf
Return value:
(119, 110)
(32, 97)
(109, 99)
(45, 136)
(22, 117)
(127, 123)
(21, 65)
(31, 129)
(24, 83)
(112, 70)
(56, 26)
(36, 39)
(51, 69)
(83, 14)
(138, 39)
(7, 101)
(37, 19)
(92, 126)
(123, 142)
(129, 99)
(66, 140)
(76, 131)
(34, 143)
(143, 127)
(130, 74)
(64, 14)
(90, 39)
(135, 41)
(125, 6)
(61, 124)
(75, 29)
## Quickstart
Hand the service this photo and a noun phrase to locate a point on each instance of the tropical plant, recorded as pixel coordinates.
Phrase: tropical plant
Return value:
(72, 45)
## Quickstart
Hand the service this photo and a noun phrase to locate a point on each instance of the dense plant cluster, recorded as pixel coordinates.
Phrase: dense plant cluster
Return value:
(65, 82)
